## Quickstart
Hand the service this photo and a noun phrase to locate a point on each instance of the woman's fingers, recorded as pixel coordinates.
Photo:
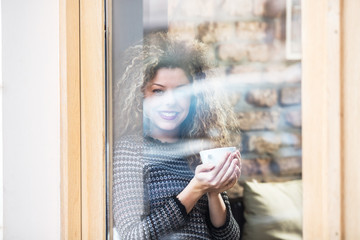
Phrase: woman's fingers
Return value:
(232, 172)
(229, 171)
(221, 164)
(237, 173)
(224, 168)
(238, 156)
(230, 183)
(222, 176)
(206, 167)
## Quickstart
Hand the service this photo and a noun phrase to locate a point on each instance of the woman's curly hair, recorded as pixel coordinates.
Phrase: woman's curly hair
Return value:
(210, 116)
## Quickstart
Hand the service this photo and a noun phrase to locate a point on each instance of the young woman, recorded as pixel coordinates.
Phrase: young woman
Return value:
(160, 188)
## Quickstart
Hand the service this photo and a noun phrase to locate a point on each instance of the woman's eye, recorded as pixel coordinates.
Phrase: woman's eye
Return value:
(158, 91)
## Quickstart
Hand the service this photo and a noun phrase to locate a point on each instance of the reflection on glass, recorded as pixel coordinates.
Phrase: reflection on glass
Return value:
(160, 188)
(225, 81)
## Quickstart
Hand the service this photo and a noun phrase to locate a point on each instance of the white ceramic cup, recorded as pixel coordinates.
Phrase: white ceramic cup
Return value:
(215, 155)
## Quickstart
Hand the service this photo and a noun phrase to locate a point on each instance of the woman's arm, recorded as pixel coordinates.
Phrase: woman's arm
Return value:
(231, 173)
(230, 229)
(190, 195)
(212, 180)
(217, 209)
(222, 223)
(132, 216)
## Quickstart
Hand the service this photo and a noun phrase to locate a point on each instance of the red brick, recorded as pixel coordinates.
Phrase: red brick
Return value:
(261, 144)
(290, 95)
(262, 97)
(293, 118)
(258, 120)
(289, 165)
(242, 8)
(233, 52)
(258, 52)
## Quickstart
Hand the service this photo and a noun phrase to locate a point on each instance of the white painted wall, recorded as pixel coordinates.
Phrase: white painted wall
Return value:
(31, 119)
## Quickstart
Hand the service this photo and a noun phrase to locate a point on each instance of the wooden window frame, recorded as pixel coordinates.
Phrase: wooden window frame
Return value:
(330, 115)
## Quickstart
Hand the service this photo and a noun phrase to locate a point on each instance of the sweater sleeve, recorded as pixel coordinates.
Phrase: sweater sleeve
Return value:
(133, 218)
(230, 230)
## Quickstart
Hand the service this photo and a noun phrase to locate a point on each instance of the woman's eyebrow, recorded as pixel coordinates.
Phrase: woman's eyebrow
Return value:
(158, 85)
(183, 85)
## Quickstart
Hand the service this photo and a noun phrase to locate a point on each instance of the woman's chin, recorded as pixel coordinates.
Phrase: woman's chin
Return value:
(165, 128)
(168, 129)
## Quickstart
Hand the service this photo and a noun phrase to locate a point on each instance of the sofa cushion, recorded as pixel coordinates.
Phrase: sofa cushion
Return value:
(273, 210)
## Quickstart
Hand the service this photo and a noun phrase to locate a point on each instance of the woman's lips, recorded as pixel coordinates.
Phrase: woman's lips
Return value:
(168, 115)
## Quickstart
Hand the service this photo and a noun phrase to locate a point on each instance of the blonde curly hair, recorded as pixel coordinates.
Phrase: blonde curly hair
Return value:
(210, 116)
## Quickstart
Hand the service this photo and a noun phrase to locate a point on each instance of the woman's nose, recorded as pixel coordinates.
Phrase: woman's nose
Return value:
(169, 97)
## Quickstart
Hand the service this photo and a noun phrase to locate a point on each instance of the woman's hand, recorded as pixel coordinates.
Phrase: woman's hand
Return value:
(219, 178)
(211, 179)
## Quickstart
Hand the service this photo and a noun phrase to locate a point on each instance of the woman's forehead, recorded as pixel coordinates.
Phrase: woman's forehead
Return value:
(170, 77)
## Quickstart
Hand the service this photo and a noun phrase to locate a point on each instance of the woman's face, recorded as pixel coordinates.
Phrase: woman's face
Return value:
(167, 101)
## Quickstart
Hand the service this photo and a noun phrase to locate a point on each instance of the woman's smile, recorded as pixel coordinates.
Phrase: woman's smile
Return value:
(165, 105)
(168, 115)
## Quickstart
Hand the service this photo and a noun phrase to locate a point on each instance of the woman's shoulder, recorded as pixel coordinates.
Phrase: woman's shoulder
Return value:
(129, 142)
(129, 139)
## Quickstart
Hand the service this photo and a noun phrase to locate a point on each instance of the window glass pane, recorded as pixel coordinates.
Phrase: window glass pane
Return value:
(224, 74)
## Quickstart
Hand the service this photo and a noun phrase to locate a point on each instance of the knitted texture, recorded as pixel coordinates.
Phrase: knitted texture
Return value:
(147, 177)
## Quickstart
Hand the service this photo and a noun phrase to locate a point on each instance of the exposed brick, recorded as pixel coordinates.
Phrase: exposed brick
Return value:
(236, 191)
(249, 168)
(279, 72)
(266, 170)
(270, 142)
(234, 98)
(224, 31)
(218, 73)
(280, 28)
(241, 8)
(253, 73)
(269, 8)
(274, 8)
(251, 30)
(263, 144)
(293, 73)
(264, 166)
(290, 95)
(275, 67)
(211, 56)
(277, 51)
(258, 52)
(293, 118)
(173, 8)
(194, 9)
(245, 68)
(187, 30)
(236, 141)
(291, 139)
(233, 52)
(259, 7)
(258, 120)
(289, 165)
(262, 97)
(210, 32)
(206, 32)
(270, 170)
(254, 48)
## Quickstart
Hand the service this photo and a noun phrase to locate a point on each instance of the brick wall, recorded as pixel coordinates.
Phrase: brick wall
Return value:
(247, 42)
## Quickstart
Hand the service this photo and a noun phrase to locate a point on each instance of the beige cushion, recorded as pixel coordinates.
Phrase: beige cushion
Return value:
(273, 210)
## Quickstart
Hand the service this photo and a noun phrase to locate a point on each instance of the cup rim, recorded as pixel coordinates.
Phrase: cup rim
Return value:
(213, 149)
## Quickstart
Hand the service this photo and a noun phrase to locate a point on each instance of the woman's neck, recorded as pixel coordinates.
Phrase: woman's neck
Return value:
(163, 136)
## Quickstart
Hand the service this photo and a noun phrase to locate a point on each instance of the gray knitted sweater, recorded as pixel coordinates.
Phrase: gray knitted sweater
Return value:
(147, 177)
